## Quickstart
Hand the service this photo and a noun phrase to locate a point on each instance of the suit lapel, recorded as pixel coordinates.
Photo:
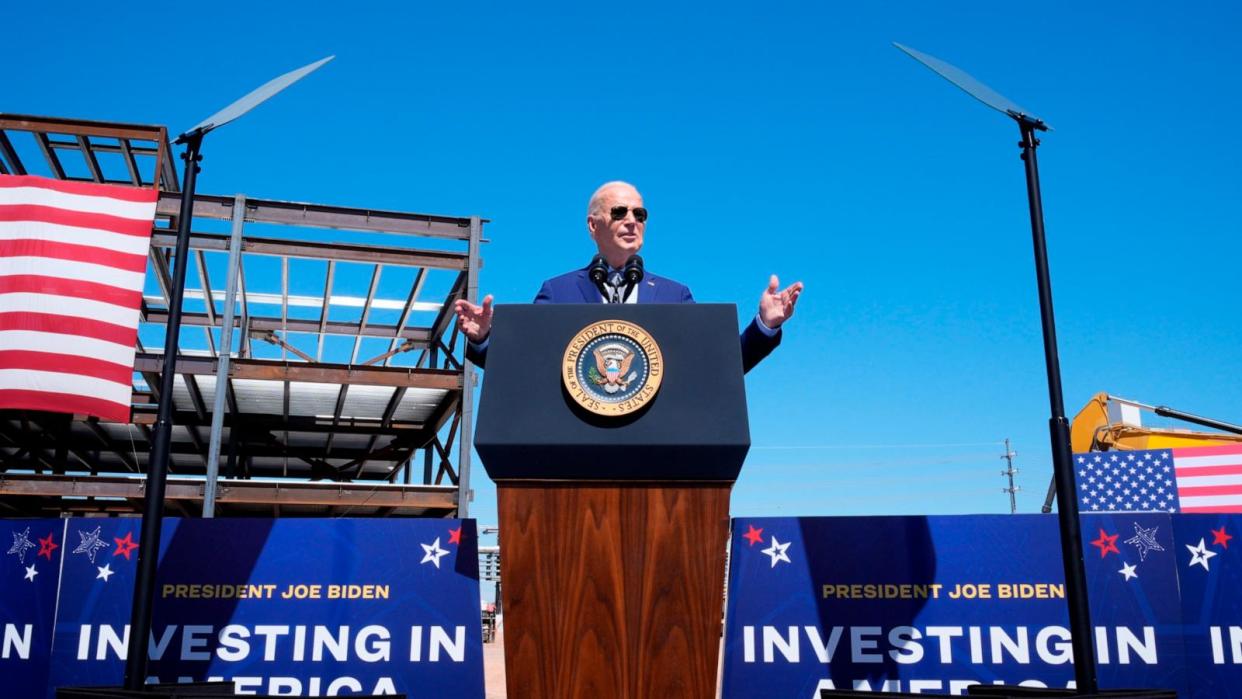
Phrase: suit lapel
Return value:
(590, 294)
(650, 289)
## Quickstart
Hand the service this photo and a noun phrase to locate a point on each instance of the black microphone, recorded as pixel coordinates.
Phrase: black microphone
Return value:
(633, 271)
(597, 272)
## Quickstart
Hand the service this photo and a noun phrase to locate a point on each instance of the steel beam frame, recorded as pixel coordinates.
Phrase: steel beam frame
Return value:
(234, 491)
(442, 379)
(438, 366)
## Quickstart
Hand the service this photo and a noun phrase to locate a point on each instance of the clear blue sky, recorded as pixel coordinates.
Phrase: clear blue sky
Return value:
(767, 137)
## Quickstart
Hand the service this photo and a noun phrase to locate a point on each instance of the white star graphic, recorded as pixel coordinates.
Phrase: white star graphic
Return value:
(1199, 555)
(91, 544)
(1128, 571)
(31, 572)
(433, 553)
(21, 544)
(105, 572)
(777, 552)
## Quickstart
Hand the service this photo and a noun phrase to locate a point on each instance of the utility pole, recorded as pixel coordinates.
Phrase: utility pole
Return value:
(1011, 472)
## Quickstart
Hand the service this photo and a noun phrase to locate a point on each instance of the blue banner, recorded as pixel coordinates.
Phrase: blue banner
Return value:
(294, 607)
(934, 604)
(29, 575)
(1209, 569)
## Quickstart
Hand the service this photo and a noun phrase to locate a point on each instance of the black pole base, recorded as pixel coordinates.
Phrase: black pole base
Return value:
(1003, 692)
(188, 690)
(1008, 692)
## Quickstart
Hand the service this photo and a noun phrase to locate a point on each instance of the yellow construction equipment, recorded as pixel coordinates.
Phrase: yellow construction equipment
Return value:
(1110, 423)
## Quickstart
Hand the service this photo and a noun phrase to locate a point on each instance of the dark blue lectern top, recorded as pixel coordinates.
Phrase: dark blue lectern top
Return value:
(695, 428)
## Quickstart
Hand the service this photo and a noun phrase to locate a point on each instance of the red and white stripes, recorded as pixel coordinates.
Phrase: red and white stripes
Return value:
(73, 258)
(1209, 479)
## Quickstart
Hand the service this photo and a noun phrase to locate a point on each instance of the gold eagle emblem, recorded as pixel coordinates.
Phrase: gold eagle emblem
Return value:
(612, 370)
(612, 367)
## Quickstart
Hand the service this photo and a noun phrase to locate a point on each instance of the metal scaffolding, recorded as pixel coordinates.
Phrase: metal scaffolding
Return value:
(320, 366)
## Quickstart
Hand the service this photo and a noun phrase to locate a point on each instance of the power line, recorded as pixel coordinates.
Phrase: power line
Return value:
(793, 447)
(968, 461)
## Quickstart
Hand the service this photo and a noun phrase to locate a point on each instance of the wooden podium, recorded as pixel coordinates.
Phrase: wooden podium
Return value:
(613, 529)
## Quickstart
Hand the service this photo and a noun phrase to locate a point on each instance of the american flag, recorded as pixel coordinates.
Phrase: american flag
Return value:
(73, 258)
(1187, 479)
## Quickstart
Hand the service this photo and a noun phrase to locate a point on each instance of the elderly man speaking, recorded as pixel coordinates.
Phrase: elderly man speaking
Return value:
(616, 219)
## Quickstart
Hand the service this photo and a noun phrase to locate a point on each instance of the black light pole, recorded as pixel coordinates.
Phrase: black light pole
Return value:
(1085, 674)
(161, 438)
(136, 655)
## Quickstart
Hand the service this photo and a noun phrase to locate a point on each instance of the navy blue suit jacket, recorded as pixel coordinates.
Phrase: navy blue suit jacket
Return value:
(575, 287)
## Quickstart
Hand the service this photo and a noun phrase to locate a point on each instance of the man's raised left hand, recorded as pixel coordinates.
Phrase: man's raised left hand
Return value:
(776, 307)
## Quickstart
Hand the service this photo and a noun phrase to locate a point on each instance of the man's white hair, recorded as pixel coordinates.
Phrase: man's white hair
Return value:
(596, 204)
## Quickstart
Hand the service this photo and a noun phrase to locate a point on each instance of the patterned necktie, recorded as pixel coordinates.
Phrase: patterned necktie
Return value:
(614, 280)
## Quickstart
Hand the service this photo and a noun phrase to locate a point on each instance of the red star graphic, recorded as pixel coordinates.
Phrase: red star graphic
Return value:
(124, 546)
(48, 545)
(455, 536)
(754, 536)
(1218, 537)
(1106, 543)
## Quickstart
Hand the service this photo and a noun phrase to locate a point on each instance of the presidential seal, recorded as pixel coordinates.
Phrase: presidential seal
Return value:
(612, 367)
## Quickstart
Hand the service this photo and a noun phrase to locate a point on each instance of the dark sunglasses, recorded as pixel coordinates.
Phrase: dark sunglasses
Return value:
(619, 212)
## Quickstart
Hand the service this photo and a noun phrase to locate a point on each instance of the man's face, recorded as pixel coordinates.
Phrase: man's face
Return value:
(617, 239)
